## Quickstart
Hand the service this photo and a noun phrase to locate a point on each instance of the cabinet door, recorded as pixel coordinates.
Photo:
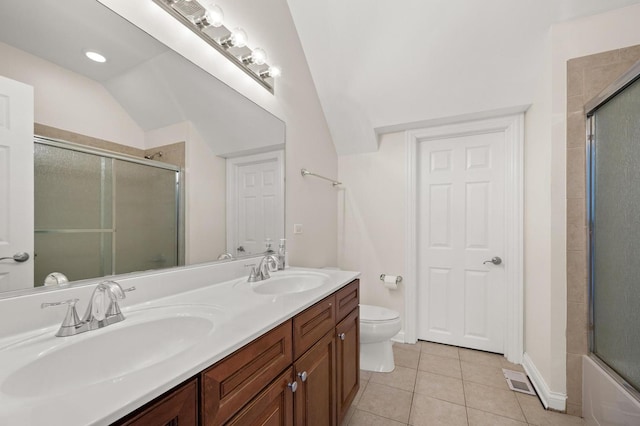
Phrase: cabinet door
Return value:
(348, 360)
(315, 399)
(271, 407)
(178, 407)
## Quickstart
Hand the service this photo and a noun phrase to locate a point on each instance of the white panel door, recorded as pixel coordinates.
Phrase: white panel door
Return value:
(16, 183)
(259, 203)
(461, 225)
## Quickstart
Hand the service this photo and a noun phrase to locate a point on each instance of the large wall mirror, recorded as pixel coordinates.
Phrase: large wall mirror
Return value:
(143, 161)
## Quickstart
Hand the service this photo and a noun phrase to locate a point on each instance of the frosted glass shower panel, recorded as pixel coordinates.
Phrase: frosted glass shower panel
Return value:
(147, 217)
(72, 189)
(78, 255)
(616, 233)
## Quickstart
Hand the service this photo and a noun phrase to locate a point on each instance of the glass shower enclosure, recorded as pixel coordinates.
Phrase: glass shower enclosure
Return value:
(613, 177)
(99, 213)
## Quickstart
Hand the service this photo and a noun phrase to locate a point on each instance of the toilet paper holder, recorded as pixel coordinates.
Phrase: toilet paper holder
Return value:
(398, 278)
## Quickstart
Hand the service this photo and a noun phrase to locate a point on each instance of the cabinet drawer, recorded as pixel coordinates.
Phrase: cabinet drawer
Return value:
(179, 407)
(310, 325)
(230, 383)
(347, 299)
(272, 407)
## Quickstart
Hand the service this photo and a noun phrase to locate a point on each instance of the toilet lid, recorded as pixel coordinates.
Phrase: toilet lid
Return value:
(377, 313)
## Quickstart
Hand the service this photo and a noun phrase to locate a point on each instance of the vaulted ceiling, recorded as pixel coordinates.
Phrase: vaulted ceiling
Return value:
(380, 65)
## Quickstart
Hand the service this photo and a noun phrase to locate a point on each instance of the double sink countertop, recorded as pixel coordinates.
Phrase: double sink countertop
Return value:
(97, 377)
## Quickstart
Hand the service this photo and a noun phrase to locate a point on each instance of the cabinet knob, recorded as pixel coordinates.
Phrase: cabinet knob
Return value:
(293, 386)
(303, 376)
(341, 336)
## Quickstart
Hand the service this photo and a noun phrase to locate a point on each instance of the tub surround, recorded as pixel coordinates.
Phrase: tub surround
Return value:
(239, 315)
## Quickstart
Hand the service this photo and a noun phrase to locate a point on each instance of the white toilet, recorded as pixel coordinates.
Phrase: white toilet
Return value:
(377, 326)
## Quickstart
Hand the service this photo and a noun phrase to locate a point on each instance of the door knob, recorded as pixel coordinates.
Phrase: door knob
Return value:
(495, 260)
(293, 386)
(303, 376)
(341, 336)
(18, 257)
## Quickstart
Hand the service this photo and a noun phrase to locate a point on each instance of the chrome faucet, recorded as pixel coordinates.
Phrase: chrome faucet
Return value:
(103, 310)
(262, 271)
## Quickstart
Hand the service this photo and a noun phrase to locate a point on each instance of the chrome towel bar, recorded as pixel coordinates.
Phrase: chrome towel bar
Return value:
(305, 172)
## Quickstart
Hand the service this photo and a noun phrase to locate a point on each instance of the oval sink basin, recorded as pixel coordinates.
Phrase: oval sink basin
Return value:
(143, 339)
(295, 282)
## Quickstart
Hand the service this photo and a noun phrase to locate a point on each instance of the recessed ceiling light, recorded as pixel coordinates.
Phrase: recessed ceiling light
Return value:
(95, 56)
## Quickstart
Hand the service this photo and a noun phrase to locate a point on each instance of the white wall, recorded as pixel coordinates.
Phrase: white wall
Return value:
(372, 232)
(70, 101)
(309, 145)
(545, 250)
(205, 191)
(371, 218)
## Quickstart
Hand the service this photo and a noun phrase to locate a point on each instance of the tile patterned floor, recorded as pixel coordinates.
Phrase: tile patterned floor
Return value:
(443, 385)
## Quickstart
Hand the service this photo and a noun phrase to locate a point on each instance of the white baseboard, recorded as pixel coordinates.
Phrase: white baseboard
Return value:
(553, 400)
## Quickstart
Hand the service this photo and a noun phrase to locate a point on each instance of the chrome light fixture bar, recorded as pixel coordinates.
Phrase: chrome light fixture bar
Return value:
(205, 19)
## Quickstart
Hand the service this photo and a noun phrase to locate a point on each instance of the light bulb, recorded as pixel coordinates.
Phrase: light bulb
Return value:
(258, 56)
(274, 72)
(214, 14)
(238, 38)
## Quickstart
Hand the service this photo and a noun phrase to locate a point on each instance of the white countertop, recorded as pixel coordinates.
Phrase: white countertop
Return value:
(239, 315)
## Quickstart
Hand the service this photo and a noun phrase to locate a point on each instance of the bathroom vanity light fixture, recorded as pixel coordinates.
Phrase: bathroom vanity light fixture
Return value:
(205, 19)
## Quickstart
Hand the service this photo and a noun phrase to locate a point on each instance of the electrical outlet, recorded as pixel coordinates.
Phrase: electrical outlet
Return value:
(297, 228)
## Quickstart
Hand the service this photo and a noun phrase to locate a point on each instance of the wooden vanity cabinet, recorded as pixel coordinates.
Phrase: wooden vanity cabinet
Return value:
(229, 384)
(303, 372)
(273, 406)
(177, 407)
(315, 398)
(347, 362)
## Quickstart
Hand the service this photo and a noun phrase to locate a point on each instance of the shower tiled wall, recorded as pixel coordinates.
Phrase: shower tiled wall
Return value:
(586, 77)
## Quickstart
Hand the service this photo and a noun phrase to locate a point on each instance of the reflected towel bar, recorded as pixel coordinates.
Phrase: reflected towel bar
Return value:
(305, 172)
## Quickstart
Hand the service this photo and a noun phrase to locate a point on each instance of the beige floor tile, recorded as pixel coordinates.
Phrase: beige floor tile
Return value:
(409, 347)
(349, 415)
(479, 357)
(434, 412)
(365, 375)
(401, 378)
(493, 400)
(440, 365)
(484, 374)
(362, 418)
(440, 350)
(358, 396)
(385, 401)
(440, 387)
(406, 357)
(536, 414)
(482, 418)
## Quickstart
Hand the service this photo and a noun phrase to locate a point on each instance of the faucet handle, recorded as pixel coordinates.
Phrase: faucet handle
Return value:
(253, 275)
(71, 320)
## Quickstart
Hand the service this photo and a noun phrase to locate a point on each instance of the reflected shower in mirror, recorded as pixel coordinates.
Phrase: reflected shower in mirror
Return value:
(142, 161)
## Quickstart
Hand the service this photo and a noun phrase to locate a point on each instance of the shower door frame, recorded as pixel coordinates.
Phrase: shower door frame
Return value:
(619, 85)
(180, 214)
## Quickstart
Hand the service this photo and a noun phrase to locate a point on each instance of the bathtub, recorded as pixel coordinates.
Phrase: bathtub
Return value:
(605, 402)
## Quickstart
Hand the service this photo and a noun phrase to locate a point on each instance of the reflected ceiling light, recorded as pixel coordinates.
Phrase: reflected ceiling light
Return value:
(95, 56)
(205, 18)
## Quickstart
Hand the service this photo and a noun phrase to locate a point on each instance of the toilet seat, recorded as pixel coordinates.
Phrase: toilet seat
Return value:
(370, 313)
